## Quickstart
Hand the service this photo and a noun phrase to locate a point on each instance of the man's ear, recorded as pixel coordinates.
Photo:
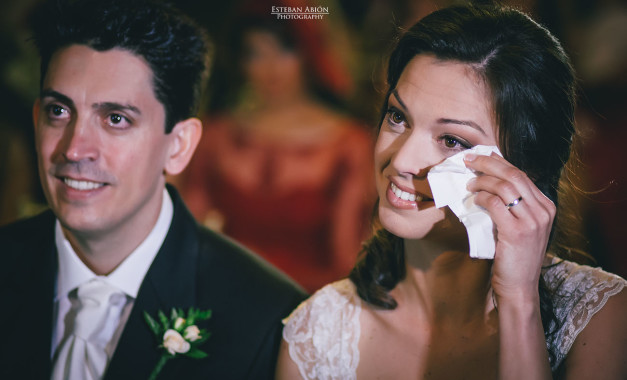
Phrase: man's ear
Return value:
(184, 139)
(36, 106)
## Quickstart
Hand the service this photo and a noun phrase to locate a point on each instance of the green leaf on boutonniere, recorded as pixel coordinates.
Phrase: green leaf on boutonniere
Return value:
(204, 337)
(164, 320)
(197, 354)
(195, 314)
(154, 326)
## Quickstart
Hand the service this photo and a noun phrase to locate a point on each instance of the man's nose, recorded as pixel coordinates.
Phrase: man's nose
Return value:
(79, 141)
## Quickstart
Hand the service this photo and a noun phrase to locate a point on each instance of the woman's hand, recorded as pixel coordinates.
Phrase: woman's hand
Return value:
(522, 230)
(522, 234)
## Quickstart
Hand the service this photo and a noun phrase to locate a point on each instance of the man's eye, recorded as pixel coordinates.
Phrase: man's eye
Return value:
(56, 111)
(116, 119)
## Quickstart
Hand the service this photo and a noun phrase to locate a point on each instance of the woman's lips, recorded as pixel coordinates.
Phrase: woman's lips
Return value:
(404, 195)
(404, 199)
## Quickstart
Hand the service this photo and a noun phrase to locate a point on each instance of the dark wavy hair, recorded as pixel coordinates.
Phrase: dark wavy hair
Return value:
(174, 47)
(532, 87)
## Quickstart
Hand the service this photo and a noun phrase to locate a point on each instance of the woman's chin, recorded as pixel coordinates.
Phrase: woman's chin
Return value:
(428, 224)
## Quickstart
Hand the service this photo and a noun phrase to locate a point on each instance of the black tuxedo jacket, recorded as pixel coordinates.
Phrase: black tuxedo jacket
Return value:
(194, 267)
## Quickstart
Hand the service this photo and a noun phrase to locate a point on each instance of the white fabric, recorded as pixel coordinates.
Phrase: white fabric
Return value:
(580, 292)
(82, 355)
(447, 181)
(127, 277)
(323, 332)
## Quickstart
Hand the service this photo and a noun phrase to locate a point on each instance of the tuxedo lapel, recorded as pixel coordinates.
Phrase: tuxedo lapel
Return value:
(170, 282)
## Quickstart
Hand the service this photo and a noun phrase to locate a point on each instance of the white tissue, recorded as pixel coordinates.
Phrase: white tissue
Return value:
(448, 185)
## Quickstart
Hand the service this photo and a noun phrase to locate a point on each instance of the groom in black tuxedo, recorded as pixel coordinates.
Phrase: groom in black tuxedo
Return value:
(120, 86)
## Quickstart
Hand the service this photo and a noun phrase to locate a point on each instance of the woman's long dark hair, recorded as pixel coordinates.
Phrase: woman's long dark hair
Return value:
(532, 86)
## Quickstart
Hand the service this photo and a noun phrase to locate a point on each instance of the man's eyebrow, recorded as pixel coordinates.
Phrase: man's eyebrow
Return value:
(398, 98)
(469, 123)
(112, 106)
(108, 106)
(47, 93)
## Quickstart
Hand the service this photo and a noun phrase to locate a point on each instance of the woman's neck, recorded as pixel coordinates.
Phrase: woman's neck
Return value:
(443, 283)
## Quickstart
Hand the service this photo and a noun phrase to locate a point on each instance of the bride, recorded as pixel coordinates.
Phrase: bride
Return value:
(416, 305)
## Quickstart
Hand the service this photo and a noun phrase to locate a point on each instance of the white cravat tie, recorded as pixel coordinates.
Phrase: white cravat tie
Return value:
(82, 355)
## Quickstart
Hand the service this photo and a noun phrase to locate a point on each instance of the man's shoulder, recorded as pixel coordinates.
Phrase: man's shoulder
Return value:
(27, 232)
(37, 221)
(27, 248)
(248, 272)
(226, 272)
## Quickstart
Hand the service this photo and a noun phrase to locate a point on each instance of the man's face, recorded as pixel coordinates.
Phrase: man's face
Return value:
(101, 142)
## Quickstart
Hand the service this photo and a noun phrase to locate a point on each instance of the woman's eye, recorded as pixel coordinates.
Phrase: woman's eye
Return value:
(396, 117)
(450, 142)
(455, 143)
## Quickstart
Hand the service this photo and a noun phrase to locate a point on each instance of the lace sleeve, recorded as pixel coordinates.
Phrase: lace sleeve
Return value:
(323, 333)
(579, 293)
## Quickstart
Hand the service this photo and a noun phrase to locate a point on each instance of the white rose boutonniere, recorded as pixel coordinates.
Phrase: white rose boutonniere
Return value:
(192, 333)
(178, 335)
(175, 343)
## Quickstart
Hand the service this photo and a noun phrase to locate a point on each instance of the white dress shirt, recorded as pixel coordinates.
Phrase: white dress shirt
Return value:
(127, 277)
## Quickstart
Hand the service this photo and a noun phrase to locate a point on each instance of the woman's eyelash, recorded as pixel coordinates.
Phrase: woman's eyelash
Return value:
(395, 117)
(452, 140)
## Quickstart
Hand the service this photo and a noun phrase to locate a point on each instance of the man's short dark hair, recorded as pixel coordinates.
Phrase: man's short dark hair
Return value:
(175, 48)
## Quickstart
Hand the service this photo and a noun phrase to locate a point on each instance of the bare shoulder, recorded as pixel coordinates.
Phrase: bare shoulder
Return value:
(599, 350)
(286, 368)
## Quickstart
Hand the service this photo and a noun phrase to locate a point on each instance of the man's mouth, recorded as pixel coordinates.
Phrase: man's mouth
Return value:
(82, 185)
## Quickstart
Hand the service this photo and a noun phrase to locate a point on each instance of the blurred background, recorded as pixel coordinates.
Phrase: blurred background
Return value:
(290, 115)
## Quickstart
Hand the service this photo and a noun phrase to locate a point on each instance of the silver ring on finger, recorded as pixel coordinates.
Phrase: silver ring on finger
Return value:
(514, 203)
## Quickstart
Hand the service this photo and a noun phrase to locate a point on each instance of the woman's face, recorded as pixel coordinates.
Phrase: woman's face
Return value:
(274, 71)
(439, 108)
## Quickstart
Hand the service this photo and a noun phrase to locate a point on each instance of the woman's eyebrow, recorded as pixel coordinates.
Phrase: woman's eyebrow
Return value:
(469, 123)
(400, 101)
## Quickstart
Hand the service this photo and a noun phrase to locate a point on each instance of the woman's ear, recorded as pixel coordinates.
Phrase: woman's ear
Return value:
(184, 139)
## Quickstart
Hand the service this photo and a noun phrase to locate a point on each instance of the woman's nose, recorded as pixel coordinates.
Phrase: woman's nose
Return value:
(412, 156)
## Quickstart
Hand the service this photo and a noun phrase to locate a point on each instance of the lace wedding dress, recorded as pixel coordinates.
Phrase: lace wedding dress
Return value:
(323, 332)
